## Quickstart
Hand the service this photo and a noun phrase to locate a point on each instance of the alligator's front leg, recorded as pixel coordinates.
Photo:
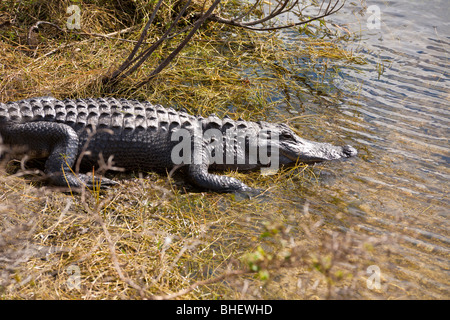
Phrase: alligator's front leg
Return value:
(199, 175)
(58, 141)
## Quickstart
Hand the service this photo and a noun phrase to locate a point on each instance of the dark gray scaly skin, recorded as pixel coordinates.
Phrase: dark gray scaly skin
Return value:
(138, 136)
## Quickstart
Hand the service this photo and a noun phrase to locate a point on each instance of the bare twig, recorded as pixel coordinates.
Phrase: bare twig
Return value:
(112, 250)
(35, 28)
(130, 57)
(280, 9)
(108, 35)
(67, 45)
(135, 60)
(177, 50)
(120, 73)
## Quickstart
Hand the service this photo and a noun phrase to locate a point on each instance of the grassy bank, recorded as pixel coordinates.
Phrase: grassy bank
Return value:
(155, 237)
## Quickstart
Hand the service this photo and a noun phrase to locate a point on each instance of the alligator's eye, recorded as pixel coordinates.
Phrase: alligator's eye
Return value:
(287, 136)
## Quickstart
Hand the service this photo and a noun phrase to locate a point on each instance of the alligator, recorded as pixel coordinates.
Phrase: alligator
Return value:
(140, 136)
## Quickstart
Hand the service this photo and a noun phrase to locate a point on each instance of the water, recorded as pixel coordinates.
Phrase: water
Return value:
(403, 107)
(396, 111)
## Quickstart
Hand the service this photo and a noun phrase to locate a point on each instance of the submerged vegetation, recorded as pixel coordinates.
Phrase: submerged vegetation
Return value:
(153, 236)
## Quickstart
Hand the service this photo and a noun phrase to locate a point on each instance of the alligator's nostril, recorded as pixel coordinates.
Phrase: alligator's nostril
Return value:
(349, 151)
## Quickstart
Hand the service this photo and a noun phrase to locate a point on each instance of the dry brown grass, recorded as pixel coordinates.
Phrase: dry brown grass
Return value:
(148, 240)
(152, 237)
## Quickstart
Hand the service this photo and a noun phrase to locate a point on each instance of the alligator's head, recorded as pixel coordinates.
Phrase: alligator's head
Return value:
(293, 149)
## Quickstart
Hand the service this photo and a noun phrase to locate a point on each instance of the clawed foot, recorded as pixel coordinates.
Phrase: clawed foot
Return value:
(96, 182)
(81, 181)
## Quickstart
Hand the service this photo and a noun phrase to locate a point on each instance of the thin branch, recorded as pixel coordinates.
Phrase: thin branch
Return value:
(246, 13)
(127, 61)
(175, 52)
(108, 35)
(114, 258)
(95, 212)
(117, 76)
(67, 45)
(277, 11)
(134, 60)
(250, 25)
(35, 27)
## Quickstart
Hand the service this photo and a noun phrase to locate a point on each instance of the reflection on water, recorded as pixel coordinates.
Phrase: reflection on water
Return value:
(396, 112)
(405, 125)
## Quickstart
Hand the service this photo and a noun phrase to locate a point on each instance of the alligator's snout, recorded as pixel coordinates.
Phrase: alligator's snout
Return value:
(349, 151)
(312, 152)
(294, 149)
